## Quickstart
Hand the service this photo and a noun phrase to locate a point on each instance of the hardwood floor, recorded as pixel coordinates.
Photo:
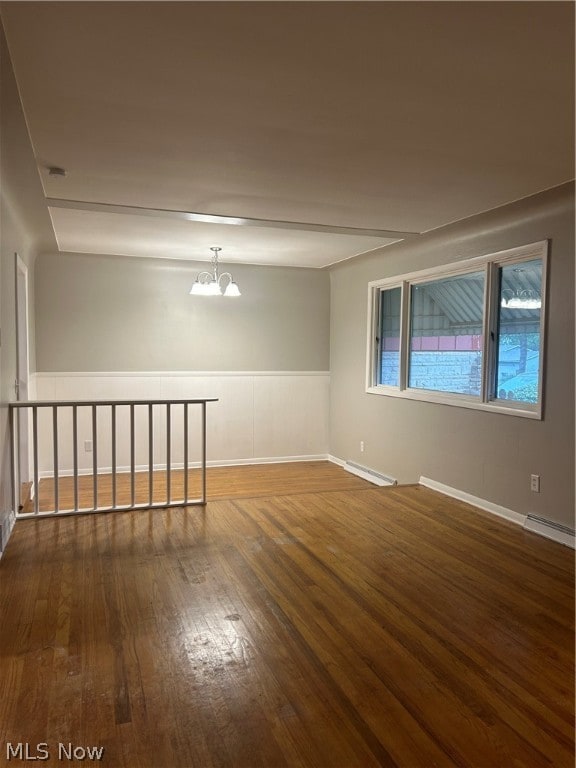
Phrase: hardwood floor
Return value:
(223, 483)
(327, 623)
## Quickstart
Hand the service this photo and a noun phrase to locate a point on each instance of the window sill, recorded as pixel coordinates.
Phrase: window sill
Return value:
(460, 401)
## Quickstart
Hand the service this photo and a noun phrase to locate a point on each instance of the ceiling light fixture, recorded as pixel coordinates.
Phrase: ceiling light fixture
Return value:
(210, 283)
(521, 300)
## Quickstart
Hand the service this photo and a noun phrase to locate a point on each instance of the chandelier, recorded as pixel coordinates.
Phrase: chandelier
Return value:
(210, 283)
(521, 300)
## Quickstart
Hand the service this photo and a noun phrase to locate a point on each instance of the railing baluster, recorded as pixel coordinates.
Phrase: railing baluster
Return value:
(95, 455)
(14, 446)
(113, 429)
(168, 447)
(203, 500)
(185, 453)
(55, 447)
(132, 455)
(75, 452)
(35, 458)
(150, 453)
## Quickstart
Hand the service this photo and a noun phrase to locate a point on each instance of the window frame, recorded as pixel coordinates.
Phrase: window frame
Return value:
(487, 400)
(376, 363)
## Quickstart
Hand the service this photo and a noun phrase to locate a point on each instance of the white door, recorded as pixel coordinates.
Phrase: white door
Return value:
(22, 370)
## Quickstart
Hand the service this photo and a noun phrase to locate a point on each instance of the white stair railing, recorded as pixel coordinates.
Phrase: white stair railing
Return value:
(56, 432)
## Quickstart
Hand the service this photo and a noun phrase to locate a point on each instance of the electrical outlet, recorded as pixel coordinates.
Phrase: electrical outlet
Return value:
(88, 446)
(535, 483)
(361, 446)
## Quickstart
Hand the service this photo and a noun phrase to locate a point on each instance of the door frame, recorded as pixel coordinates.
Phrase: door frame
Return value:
(22, 380)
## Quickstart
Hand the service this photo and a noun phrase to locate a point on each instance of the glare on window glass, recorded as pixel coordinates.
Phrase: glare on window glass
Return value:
(518, 342)
(446, 337)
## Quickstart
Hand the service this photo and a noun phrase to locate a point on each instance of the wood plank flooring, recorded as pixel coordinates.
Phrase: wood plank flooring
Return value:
(250, 481)
(311, 619)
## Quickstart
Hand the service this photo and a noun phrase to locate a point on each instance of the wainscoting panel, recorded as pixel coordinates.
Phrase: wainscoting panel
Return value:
(258, 416)
(291, 415)
(230, 420)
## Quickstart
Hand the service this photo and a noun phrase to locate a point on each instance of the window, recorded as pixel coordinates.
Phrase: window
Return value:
(389, 337)
(519, 320)
(446, 337)
(468, 334)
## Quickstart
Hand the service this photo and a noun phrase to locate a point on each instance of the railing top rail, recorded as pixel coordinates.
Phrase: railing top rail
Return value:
(152, 401)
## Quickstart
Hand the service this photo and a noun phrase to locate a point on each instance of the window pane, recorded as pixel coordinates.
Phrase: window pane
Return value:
(518, 343)
(389, 335)
(446, 334)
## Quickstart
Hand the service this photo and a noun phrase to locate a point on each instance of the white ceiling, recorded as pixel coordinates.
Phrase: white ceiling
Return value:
(388, 116)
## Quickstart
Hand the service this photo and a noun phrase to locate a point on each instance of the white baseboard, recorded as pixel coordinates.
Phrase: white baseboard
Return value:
(192, 465)
(547, 528)
(266, 460)
(476, 501)
(6, 530)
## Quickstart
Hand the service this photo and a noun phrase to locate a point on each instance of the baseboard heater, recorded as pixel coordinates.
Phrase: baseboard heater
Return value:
(550, 529)
(369, 474)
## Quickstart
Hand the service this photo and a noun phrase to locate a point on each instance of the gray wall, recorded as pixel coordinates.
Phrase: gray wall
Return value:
(102, 313)
(488, 455)
(13, 238)
(24, 226)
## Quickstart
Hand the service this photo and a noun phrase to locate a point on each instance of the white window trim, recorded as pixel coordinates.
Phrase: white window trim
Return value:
(491, 263)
